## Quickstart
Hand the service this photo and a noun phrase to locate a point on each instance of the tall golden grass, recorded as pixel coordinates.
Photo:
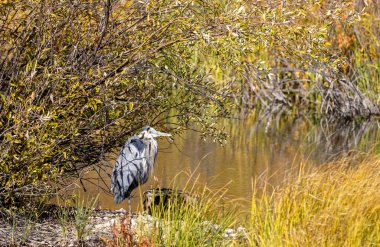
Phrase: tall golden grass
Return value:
(202, 220)
(335, 205)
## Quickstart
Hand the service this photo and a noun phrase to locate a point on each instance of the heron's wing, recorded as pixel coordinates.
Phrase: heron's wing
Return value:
(130, 169)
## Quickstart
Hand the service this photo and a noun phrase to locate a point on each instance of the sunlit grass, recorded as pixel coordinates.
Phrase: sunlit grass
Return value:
(201, 220)
(199, 224)
(335, 205)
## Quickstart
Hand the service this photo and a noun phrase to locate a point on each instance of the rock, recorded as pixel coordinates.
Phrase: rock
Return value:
(121, 210)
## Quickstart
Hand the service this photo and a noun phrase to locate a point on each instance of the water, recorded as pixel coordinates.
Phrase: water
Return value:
(257, 149)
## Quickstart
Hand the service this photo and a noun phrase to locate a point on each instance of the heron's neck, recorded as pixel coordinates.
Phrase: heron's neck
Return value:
(147, 140)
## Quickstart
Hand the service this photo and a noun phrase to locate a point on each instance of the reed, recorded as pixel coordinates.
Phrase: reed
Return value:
(335, 205)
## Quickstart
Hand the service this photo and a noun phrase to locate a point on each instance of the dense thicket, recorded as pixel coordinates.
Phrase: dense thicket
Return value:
(77, 77)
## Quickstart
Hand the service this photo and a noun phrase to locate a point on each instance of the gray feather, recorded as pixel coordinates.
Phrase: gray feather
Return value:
(133, 166)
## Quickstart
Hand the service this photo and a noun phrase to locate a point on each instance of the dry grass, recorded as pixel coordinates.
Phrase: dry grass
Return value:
(337, 205)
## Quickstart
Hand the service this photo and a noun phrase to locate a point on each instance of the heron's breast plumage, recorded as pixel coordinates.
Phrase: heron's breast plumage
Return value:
(150, 153)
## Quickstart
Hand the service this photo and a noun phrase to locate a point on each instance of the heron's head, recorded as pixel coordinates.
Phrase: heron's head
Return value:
(149, 132)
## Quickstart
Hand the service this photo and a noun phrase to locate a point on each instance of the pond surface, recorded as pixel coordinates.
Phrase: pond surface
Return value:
(264, 149)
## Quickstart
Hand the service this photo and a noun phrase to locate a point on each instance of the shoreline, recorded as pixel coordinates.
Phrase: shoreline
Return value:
(102, 227)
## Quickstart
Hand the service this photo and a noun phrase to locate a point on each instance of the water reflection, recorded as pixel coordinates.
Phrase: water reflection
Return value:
(266, 147)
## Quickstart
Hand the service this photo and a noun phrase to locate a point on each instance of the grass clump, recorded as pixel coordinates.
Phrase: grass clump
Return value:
(82, 217)
(63, 216)
(198, 222)
(333, 206)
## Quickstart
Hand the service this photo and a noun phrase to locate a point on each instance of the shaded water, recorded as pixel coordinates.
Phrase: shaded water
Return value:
(266, 148)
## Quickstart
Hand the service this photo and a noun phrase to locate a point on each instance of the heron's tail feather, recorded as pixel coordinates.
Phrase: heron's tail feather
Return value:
(118, 198)
(118, 195)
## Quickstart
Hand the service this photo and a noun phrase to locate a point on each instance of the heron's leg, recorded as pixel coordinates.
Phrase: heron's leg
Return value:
(130, 213)
(129, 206)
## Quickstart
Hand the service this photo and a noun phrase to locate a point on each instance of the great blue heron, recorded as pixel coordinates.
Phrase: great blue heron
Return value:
(135, 163)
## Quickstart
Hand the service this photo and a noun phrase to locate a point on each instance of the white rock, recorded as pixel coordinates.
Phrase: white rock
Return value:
(121, 210)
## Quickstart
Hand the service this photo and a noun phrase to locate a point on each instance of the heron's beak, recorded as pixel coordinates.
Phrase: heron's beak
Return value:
(156, 133)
